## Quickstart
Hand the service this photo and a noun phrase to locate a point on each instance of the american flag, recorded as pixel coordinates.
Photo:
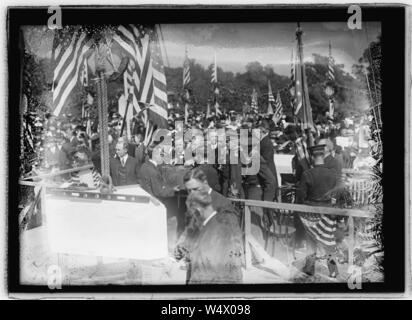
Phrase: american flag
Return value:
(215, 88)
(303, 109)
(278, 106)
(70, 49)
(254, 104)
(144, 77)
(186, 83)
(214, 71)
(186, 71)
(321, 227)
(331, 73)
(292, 78)
(271, 99)
(85, 74)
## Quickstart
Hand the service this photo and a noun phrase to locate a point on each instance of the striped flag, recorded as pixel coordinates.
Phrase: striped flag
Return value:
(271, 99)
(331, 72)
(158, 113)
(303, 109)
(70, 49)
(254, 104)
(186, 83)
(278, 108)
(186, 71)
(215, 88)
(214, 71)
(331, 78)
(292, 79)
(144, 77)
(322, 228)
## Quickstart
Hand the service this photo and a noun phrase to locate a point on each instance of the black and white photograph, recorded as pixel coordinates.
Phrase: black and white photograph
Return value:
(198, 153)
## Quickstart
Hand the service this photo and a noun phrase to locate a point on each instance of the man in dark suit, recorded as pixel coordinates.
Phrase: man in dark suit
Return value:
(267, 172)
(152, 181)
(140, 149)
(196, 179)
(124, 169)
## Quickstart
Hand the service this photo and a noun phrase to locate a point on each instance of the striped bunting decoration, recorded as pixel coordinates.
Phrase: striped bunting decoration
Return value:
(254, 104)
(70, 48)
(91, 177)
(214, 71)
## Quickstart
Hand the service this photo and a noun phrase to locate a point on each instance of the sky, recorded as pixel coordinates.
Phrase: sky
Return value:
(268, 43)
(237, 44)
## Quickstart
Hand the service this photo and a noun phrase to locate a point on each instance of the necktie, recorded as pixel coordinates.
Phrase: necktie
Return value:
(122, 160)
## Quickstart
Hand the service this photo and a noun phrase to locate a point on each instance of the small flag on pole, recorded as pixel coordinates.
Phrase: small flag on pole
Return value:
(278, 109)
(214, 71)
(271, 99)
(303, 109)
(254, 104)
(331, 73)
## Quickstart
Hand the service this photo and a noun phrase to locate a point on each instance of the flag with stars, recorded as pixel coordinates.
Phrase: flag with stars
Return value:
(186, 84)
(254, 104)
(303, 109)
(71, 47)
(215, 88)
(271, 99)
(331, 73)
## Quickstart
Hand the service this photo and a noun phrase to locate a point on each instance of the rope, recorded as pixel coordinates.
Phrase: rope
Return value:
(103, 124)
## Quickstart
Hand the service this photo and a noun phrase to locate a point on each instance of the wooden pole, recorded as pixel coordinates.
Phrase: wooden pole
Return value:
(103, 124)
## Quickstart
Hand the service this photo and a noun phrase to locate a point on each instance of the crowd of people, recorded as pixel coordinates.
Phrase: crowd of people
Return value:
(208, 224)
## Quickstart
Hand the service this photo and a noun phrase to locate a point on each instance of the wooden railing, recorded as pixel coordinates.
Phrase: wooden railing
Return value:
(366, 213)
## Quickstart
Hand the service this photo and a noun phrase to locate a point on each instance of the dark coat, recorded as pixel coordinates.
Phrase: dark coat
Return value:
(152, 181)
(267, 171)
(216, 256)
(333, 163)
(212, 176)
(267, 152)
(316, 184)
(132, 171)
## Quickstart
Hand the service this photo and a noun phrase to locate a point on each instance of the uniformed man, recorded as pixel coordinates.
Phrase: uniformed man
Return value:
(316, 188)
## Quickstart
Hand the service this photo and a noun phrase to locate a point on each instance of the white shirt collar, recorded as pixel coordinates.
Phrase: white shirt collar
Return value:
(125, 157)
(209, 217)
(154, 162)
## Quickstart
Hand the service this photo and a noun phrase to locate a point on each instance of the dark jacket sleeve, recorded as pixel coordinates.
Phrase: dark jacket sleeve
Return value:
(160, 189)
(302, 189)
(152, 182)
